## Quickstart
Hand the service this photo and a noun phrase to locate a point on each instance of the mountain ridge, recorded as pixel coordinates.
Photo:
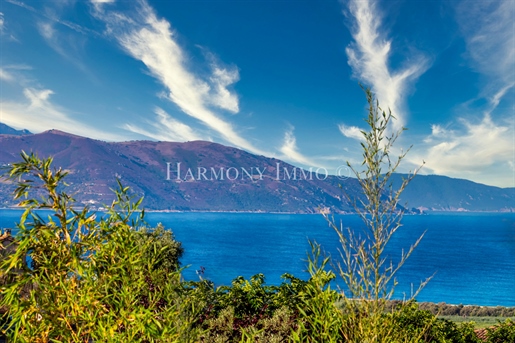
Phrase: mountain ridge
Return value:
(7, 130)
(222, 178)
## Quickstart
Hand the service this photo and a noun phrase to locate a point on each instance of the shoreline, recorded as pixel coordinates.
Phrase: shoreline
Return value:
(439, 212)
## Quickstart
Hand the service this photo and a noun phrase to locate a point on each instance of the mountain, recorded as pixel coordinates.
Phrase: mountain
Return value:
(94, 166)
(442, 193)
(7, 130)
(206, 176)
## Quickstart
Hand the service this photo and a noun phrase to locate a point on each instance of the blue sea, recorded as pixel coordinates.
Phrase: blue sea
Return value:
(471, 256)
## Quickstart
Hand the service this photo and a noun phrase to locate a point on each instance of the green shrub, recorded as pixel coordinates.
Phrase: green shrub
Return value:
(502, 333)
(319, 319)
(89, 278)
(159, 245)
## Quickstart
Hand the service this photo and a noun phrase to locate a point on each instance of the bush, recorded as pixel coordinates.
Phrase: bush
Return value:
(89, 279)
(502, 333)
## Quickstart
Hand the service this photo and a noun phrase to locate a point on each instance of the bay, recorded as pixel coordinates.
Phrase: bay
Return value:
(470, 255)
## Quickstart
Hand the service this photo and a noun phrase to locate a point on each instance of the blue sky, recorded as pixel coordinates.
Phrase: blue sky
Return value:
(277, 78)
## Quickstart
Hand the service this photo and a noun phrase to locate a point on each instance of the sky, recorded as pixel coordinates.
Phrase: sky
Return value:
(275, 78)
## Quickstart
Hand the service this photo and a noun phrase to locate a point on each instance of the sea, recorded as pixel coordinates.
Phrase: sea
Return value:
(470, 257)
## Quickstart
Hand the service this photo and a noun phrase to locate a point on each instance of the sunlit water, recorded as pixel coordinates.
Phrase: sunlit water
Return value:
(471, 255)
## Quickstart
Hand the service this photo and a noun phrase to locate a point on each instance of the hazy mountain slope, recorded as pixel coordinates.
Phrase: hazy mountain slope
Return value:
(442, 193)
(7, 130)
(150, 169)
(142, 165)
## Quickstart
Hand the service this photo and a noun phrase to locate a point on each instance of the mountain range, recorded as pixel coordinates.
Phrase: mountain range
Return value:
(206, 176)
(7, 130)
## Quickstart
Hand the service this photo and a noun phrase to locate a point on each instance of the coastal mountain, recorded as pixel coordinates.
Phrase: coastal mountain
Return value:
(192, 176)
(7, 130)
(442, 193)
(206, 176)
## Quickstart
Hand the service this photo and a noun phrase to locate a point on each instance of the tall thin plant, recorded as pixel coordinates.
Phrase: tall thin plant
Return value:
(368, 275)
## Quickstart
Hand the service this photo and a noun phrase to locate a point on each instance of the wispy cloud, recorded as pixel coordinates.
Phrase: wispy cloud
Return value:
(2, 23)
(47, 31)
(151, 40)
(291, 151)
(68, 46)
(468, 150)
(37, 113)
(221, 96)
(351, 132)
(98, 4)
(68, 42)
(165, 128)
(481, 150)
(487, 27)
(21, 4)
(5, 76)
(10, 73)
(50, 14)
(5, 32)
(368, 56)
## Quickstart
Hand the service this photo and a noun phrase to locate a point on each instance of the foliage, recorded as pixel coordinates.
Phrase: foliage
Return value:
(410, 319)
(159, 245)
(247, 308)
(319, 318)
(502, 333)
(468, 310)
(90, 279)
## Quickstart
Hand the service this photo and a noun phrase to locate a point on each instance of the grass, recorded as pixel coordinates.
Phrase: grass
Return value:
(479, 322)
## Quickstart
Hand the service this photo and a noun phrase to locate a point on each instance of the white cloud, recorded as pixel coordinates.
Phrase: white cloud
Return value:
(5, 31)
(68, 42)
(487, 27)
(290, 150)
(496, 98)
(50, 14)
(222, 97)
(4, 75)
(99, 3)
(2, 22)
(10, 72)
(351, 132)
(472, 150)
(151, 40)
(38, 114)
(21, 4)
(166, 128)
(46, 30)
(483, 151)
(368, 57)
(65, 45)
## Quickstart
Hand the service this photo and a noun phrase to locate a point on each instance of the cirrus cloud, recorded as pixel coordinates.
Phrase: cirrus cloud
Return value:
(37, 113)
(368, 56)
(152, 41)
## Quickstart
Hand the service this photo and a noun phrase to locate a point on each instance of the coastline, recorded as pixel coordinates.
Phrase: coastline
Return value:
(434, 212)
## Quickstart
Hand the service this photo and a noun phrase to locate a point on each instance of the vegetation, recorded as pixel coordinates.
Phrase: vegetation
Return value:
(468, 310)
(89, 278)
(78, 277)
(369, 279)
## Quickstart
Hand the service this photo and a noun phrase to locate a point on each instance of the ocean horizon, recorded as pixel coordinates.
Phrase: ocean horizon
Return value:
(469, 255)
